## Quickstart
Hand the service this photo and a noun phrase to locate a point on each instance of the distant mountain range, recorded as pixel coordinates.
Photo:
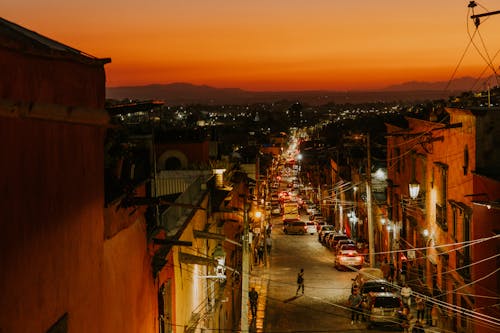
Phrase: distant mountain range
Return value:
(186, 93)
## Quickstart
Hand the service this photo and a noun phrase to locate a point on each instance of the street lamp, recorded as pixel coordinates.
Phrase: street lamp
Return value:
(220, 257)
(245, 270)
(414, 189)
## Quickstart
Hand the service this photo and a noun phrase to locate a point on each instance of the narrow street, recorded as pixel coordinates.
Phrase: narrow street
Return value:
(322, 308)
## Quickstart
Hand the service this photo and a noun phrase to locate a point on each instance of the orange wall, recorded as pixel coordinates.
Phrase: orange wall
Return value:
(51, 224)
(129, 293)
(45, 80)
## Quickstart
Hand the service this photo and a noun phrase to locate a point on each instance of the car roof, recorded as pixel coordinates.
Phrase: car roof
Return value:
(375, 281)
(370, 273)
(383, 294)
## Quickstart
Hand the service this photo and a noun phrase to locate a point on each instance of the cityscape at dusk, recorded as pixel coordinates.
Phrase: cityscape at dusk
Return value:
(276, 45)
(249, 166)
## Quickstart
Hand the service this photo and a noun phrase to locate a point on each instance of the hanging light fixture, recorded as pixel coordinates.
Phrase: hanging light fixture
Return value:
(414, 188)
(220, 257)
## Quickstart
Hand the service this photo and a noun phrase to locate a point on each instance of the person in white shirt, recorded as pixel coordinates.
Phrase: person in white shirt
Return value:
(406, 294)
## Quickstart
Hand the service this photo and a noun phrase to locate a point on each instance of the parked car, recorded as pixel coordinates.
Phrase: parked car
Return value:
(327, 237)
(311, 227)
(344, 242)
(294, 227)
(366, 274)
(347, 256)
(319, 224)
(383, 308)
(377, 285)
(333, 240)
(324, 230)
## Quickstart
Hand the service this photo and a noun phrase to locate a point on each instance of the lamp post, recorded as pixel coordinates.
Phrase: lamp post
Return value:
(245, 271)
(371, 245)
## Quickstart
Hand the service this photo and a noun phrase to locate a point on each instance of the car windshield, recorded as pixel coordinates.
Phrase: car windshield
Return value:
(327, 227)
(386, 302)
(348, 247)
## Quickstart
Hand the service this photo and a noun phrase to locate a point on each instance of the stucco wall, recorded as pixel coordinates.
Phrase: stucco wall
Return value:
(51, 223)
(129, 294)
(48, 80)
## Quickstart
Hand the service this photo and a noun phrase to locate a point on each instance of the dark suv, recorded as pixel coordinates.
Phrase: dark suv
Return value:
(383, 308)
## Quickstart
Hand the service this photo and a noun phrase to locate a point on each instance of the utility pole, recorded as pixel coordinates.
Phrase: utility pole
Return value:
(371, 245)
(245, 270)
(476, 17)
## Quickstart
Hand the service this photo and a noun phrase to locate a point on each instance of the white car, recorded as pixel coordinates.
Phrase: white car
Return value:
(311, 227)
(347, 256)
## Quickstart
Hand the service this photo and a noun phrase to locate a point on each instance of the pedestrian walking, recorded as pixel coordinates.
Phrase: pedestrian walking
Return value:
(405, 318)
(260, 253)
(354, 303)
(420, 302)
(300, 282)
(406, 295)
(404, 267)
(386, 269)
(434, 315)
(253, 295)
(392, 272)
(269, 244)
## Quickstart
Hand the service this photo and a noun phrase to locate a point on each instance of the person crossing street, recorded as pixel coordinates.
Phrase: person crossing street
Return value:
(300, 282)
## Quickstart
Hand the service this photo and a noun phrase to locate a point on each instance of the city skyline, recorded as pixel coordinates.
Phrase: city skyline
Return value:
(282, 45)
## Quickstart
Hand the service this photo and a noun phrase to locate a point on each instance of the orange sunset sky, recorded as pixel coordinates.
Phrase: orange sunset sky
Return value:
(271, 44)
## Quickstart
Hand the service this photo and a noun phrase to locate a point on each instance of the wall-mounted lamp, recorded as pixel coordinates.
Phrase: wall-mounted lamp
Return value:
(425, 232)
(220, 257)
(382, 220)
(414, 188)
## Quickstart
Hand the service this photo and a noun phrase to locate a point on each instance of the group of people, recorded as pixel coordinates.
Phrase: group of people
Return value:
(355, 303)
(264, 244)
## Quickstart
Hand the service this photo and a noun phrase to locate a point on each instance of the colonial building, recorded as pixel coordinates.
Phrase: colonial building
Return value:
(444, 176)
(52, 129)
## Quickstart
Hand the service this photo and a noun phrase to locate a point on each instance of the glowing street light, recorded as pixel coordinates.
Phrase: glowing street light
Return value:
(414, 189)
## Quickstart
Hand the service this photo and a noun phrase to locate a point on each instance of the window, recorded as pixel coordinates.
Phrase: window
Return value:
(466, 160)
(454, 218)
(442, 185)
(462, 265)
(397, 156)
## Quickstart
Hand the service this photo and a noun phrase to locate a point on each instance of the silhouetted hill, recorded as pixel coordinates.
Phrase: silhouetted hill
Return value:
(185, 93)
(460, 84)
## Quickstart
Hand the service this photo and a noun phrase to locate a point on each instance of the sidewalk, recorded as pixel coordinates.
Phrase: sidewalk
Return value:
(259, 279)
(426, 323)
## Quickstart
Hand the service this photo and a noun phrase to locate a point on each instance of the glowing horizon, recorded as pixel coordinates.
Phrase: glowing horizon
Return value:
(277, 45)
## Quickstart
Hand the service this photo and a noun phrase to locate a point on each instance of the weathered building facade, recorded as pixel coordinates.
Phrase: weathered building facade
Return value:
(446, 238)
